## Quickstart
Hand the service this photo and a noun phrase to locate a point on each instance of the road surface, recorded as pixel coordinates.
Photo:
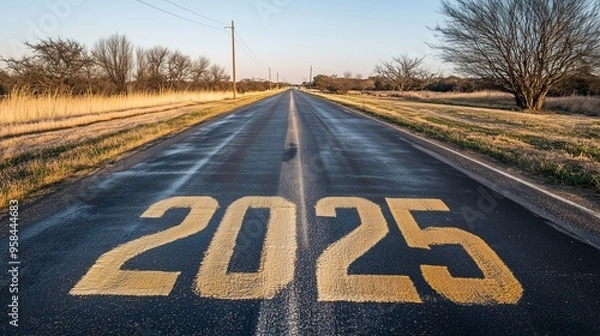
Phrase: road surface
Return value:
(295, 216)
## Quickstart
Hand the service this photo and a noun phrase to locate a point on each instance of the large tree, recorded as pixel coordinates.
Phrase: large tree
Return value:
(114, 55)
(525, 46)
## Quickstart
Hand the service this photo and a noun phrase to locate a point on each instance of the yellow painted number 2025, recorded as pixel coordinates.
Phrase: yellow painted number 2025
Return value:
(277, 263)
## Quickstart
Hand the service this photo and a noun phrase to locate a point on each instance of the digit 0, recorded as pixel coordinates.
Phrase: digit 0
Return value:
(278, 254)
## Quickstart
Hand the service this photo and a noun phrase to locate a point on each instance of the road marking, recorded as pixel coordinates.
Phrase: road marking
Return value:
(291, 185)
(333, 281)
(292, 301)
(278, 258)
(499, 285)
(105, 277)
(276, 263)
(293, 133)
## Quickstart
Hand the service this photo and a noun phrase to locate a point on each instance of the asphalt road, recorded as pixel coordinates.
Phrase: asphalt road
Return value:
(294, 216)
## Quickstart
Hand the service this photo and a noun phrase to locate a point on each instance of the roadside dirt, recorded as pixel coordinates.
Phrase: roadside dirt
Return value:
(13, 146)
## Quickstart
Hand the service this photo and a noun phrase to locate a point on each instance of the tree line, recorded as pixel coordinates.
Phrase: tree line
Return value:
(529, 48)
(112, 66)
(583, 83)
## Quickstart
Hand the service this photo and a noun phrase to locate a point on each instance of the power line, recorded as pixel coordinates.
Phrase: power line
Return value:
(178, 16)
(247, 47)
(195, 13)
(241, 46)
(248, 51)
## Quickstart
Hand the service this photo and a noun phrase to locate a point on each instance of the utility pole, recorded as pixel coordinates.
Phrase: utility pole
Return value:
(310, 78)
(278, 81)
(232, 27)
(269, 79)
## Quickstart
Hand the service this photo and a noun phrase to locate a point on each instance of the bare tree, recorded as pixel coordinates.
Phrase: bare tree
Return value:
(403, 72)
(29, 74)
(200, 69)
(141, 65)
(525, 46)
(157, 65)
(114, 55)
(216, 77)
(56, 65)
(179, 69)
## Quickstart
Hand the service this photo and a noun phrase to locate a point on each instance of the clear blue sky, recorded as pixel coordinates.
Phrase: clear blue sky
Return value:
(287, 35)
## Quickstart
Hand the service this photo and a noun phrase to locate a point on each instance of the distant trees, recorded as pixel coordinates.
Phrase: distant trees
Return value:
(216, 77)
(246, 85)
(343, 84)
(404, 73)
(112, 66)
(526, 47)
(583, 83)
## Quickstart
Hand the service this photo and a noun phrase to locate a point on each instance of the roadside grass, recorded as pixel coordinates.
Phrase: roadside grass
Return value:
(586, 105)
(21, 113)
(30, 174)
(564, 149)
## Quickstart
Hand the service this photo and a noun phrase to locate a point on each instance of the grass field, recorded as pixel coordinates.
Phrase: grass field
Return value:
(33, 162)
(22, 113)
(563, 150)
(586, 105)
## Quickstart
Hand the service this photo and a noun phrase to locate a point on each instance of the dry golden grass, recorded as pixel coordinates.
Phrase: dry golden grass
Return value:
(492, 99)
(23, 143)
(487, 95)
(587, 105)
(560, 148)
(47, 162)
(21, 113)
